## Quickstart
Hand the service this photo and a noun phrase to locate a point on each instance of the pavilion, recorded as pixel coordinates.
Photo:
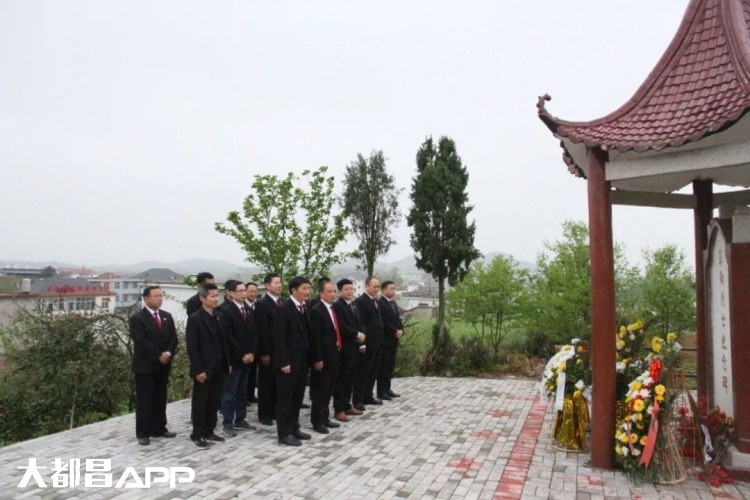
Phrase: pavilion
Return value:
(687, 124)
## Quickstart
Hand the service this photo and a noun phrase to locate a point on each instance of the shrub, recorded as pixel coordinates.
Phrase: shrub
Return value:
(471, 355)
(437, 358)
(539, 345)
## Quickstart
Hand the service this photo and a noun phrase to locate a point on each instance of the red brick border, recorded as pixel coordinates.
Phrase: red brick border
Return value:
(515, 473)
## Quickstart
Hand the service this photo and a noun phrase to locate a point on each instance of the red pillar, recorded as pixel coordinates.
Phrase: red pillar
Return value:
(702, 215)
(603, 397)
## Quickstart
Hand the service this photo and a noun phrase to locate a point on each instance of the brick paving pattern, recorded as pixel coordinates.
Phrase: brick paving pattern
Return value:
(445, 438)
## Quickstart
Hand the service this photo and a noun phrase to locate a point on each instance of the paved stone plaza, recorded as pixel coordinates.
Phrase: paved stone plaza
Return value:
(445, 438)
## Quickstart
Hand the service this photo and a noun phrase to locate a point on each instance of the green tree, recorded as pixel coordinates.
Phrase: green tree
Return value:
(48, 272)
(370, 204)
(62, 371)
(490, 298)
(442, 238)
(268, 228)
(667, 291)
(560, 304)
(394, 274)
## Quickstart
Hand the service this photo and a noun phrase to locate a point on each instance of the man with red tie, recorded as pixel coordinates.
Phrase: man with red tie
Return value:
(265, 317)
(154, 345)
(325, 347)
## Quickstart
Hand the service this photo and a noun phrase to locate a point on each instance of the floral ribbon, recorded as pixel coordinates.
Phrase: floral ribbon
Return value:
(653, 430)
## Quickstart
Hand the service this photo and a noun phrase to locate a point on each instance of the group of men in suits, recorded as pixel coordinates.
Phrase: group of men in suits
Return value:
(343, 347)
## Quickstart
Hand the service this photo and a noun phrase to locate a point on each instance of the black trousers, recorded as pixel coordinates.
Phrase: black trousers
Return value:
(266, 391)
(387, 365)
(344, 381)
(321, 387)
(252, 380)
(205, 405)
(368, 367)
(290, 391)
(151, 403)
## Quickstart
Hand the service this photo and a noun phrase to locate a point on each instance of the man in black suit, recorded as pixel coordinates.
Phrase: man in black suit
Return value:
(209, 365)
(291, 357)
(265, 316)
(368, 365)
(241, 333)
(321, 281)
(251, 296)
(393, 329)
(352, 336)
(154, 345)
(325, 347)
(194, 302)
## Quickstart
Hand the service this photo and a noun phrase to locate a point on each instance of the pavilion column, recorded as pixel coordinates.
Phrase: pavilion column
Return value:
(702, 215)
(603, 326)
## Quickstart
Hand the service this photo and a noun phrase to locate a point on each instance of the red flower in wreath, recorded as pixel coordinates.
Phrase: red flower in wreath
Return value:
(655, 369)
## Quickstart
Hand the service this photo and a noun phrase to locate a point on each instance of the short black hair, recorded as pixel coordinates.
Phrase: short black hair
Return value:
(269, 278)
(231, 285)
(369, 279)
(297, 282)
(342, 283)
(251, 283)
(385, 284)
(147, 290)
(323, 279)
(202, 277)
(322, 285)
(205, 288)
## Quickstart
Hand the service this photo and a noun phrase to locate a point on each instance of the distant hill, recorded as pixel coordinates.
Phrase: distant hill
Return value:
(224, 270)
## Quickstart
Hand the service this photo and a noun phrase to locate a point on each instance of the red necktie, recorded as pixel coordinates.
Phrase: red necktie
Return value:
(301, 309)
(278, 302)
(244, 314)
(158, 320)
(336, 327)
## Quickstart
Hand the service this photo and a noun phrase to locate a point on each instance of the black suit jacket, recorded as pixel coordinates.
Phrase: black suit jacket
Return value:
(193, 304)
(241, 334)
(323, 339)
(291, 339)
(149, 342)
(371, 320)
(350, 323)
(265, 318)
(391, 323)
(206, 344)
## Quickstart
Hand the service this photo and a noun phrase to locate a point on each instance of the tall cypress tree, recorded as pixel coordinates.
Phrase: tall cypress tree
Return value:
(442, 237)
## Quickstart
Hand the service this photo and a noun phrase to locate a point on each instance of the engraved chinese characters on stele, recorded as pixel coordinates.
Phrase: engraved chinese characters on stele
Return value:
(98, 474)
(720, 325)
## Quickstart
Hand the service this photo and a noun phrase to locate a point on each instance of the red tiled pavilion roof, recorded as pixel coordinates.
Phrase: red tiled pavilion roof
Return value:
(700, 86)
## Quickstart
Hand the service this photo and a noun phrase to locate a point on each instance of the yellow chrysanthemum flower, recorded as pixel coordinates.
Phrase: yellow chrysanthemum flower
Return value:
(660, 398)
(623, 329)
(633, 438)
(640, 426)
(621, 345)
(637, 385)
(660, 389)
(644, 440)
(579, 361)
(626, 361)
(638, 416)
(624, 438)
(671, 337)
(627, 418)
(639, 405)
(656, 344)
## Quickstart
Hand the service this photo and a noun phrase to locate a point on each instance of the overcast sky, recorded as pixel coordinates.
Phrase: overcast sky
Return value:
(127, 129)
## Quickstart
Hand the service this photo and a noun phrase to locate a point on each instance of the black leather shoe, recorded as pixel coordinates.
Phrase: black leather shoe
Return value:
(332, 425)
(265, 421)
(289, 441)
(360, 407)
(301, 435)
(321, 429)
(216, 439)
(385, 397)
(165, 434)
(144, 441)
(393, 394)
(305, 406)
(373, 401)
